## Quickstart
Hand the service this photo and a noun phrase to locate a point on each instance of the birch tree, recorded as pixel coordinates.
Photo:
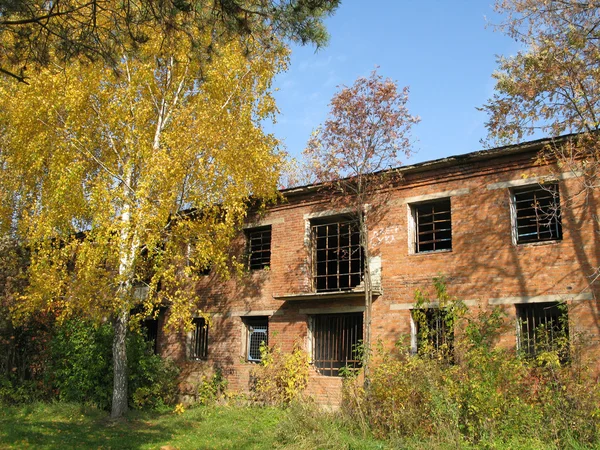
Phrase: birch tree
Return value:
(102, 175)
(368, 130)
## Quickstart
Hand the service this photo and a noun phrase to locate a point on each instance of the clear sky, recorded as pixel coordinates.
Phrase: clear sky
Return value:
(440, 48)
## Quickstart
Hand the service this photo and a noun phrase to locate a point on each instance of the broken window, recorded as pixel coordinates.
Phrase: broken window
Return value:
(536, 213)
(199, 341)
(335, 341)
(432, 331)
(337, 255)
(258, 333)
(259, 247)
(150, 333)
(542, 327)
(433, 226)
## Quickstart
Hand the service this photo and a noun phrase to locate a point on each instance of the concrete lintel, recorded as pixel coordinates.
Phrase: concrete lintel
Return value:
(412, 305)
(532, 180)
(336, 310)
(435, 196)
(263, 223)
(540, 298)
(330, 212)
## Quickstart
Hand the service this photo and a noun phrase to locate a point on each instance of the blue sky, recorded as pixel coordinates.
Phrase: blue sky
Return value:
(440, 48)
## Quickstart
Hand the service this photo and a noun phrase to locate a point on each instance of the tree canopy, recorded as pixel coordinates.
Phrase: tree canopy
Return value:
(116, 182)
(39, 32)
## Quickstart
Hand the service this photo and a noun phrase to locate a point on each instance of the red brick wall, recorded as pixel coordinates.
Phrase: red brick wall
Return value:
(484, 264)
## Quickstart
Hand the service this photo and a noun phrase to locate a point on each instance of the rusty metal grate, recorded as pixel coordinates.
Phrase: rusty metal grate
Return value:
(433, 226)
(537, 211)
(337, 256)
(542, 327)
(432, 330)
(259, 248)
(199, 344)
(335, 337)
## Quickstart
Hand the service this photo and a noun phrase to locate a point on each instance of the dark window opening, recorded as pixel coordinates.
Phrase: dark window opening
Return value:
(259, 248)
(258, 334)
(337, 256)
(335, 341)
(434, 333)
(433, 226)
(150, 333)
(543, 327)
(537, 214)
(199, 344)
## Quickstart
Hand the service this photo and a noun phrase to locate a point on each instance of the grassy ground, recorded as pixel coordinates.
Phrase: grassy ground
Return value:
(66, 426)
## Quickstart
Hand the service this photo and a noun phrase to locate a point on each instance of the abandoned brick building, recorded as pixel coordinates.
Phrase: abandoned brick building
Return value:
(470, 218)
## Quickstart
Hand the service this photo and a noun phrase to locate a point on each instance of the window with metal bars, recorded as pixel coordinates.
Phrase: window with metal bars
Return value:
(433, 226)
(199, 341)
(543, 327)
(536, 213)
(432, 332)
(150, 333)
(337, 255)
(258, 333)
(335, 338)
(259, 248)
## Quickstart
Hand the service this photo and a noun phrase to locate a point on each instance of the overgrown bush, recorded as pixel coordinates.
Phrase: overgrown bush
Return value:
(211, 389)
(280, 377)
(81, 367)
(483, 396)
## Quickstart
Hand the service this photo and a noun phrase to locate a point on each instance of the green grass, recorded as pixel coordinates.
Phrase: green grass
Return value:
(69, 426)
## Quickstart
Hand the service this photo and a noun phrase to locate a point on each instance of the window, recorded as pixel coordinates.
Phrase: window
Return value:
(337, 255)
(536, 214)
(199, 342)
(542, 327)
(259, 248)
(258, 332)
(150, 333)
(433, 226)
(335, 340)
(431, 331)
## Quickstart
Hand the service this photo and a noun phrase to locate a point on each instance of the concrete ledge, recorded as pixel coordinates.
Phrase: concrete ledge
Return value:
(532, 180)
(264, 312)
(408, 306)
(540, 299)
(434, 196)
(336, 310)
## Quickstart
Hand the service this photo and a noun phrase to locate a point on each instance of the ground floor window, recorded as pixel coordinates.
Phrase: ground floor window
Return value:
(542, 327)
(199, 341)
(335, 341)
(257, 333)
(432, 332)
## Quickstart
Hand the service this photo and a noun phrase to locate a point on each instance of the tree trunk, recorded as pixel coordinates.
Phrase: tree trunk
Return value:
(119, 402)
(364, 240)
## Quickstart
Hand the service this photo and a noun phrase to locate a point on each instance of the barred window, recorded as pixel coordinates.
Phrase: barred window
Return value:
(542, 327)
(335, 341)
(259, 247)
(433, 226)
(258, 333)
(199, 342)
(536, 213)
(432, 331)
(337, 255)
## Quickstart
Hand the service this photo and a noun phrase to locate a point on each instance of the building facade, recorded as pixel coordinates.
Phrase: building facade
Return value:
(503, 230)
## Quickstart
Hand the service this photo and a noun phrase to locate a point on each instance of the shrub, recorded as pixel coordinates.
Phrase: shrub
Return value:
(81, 367)
(483, 395)
(280, 377)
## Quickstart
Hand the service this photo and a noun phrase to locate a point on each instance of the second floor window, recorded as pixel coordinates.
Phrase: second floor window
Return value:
(433, 226)
(536, 213)
(337, 255)
(259, 247)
